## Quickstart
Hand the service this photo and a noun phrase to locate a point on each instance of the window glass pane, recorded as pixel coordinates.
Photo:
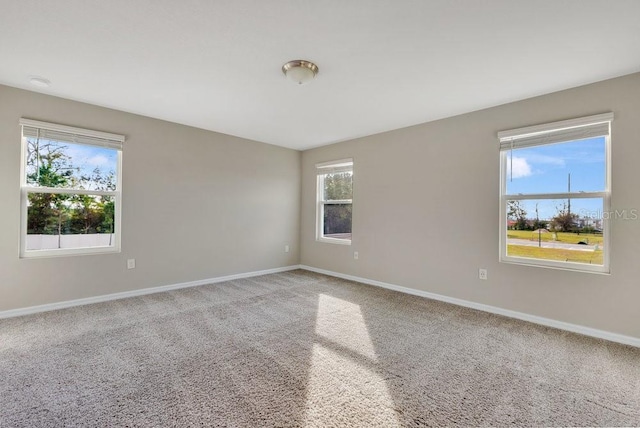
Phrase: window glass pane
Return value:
(553, 168)
(338, 186)
(68, 165)
(568, 230)
(69, 221)
(337, 221)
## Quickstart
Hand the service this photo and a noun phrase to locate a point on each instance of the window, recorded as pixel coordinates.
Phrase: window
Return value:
(555, 194)
(70, 190)
(335, 194)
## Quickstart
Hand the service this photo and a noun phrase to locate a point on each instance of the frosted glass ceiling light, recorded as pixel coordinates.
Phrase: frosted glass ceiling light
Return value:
(300, 71)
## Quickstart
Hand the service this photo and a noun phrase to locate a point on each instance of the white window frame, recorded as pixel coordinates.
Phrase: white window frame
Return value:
(322, 169)
(86, 137)
(556, 132)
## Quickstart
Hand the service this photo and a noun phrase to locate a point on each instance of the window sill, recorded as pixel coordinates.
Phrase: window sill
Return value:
(565, 266)
(334, 241)
(40, 254)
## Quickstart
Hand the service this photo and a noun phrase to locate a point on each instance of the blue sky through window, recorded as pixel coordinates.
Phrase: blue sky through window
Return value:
(83, 160)
(546, 168)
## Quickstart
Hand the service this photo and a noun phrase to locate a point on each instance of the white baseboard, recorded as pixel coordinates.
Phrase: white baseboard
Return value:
(134, 293)
(574, 328)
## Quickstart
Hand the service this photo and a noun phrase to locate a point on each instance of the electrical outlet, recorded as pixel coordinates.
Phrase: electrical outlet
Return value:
(355, 255)
(286, 248)
(131, 264)
(482, 274)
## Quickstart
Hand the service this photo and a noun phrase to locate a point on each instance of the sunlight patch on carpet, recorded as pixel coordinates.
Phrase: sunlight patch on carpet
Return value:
(344, 385)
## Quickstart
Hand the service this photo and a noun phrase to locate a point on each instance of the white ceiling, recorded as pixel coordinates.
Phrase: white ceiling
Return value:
(383, 64)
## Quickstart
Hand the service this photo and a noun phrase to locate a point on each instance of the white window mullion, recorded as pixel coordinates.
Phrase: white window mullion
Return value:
(337, 201)
(67, 191)
(580, 195)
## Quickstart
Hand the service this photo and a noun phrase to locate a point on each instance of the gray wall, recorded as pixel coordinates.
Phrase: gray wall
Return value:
(425, 212)
(196, 205)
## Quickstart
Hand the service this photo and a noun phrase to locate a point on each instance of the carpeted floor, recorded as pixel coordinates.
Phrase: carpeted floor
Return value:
(303, 349)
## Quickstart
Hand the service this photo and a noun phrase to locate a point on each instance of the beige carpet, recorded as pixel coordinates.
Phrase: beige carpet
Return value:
(303, 349)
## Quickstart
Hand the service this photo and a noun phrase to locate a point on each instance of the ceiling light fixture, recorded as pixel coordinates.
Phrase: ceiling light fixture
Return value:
(41, 82)
(300, 71)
